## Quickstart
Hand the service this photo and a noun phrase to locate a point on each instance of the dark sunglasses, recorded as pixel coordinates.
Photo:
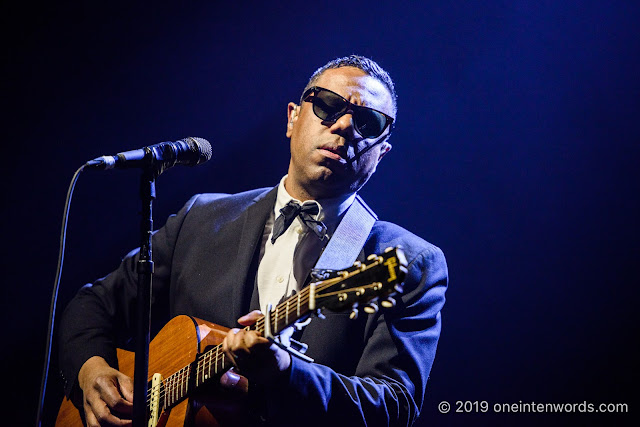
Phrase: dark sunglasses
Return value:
(329, 106)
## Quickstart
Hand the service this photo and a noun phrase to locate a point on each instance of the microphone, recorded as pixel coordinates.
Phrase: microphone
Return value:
(367, 148)
(190, 151)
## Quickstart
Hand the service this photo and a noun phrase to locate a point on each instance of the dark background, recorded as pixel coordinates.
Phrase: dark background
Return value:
(515, 151)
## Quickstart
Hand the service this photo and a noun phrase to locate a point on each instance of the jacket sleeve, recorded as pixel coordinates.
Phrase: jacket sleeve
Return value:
(389, 384)
(101, 316)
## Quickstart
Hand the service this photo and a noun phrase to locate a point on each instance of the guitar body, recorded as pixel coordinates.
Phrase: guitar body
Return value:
(175, 346)
(186, 339)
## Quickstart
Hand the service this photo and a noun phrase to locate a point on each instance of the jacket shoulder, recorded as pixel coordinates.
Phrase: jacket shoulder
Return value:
(386, 234)
(223, 199)
(222, 202)
(208, 208)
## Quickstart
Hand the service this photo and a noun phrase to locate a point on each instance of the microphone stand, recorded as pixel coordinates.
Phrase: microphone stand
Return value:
(145, 272)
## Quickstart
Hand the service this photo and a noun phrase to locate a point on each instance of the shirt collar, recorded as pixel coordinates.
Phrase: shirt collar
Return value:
(331, 210)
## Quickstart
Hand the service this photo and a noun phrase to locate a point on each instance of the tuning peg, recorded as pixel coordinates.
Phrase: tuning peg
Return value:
(354, 311)
(371, 308)
(398, 287)
(388, 303)
(389, 249)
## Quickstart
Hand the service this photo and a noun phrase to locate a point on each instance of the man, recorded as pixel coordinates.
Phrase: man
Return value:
(223, 256)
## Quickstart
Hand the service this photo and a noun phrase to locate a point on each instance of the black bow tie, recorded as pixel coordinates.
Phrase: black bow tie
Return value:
(291, 211)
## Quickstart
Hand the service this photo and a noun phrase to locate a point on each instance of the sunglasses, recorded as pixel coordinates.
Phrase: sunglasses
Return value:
(329, 106)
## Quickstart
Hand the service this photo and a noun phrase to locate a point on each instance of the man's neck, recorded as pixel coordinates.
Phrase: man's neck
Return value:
(297, 191)
(308, 192)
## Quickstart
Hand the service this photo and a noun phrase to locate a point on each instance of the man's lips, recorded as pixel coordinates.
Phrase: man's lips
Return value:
(335, 153)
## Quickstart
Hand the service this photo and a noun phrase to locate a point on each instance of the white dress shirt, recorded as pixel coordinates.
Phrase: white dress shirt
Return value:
(285, 264)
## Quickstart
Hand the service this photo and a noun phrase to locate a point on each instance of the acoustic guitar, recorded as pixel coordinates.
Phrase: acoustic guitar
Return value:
(186, 359)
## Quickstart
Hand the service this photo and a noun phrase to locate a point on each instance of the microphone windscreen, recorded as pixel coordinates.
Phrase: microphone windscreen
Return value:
(199, 146)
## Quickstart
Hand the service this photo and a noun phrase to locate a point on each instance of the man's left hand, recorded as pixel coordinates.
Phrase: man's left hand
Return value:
(253, 355)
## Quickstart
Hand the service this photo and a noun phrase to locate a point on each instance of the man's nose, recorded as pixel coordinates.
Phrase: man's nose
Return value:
(344, 127)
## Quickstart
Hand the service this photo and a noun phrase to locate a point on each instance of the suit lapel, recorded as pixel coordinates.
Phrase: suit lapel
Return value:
(250, 238)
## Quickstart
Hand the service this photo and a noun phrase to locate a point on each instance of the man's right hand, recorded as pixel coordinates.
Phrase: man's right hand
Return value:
(107, 394)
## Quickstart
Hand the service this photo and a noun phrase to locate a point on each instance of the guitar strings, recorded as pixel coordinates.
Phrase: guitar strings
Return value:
(181, 377)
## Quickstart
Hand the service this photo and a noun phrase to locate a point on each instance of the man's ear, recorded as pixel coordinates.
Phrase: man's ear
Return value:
(292, 116)
(384, 149)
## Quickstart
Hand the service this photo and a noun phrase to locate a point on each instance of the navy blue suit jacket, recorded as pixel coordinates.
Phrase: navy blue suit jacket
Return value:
(371, 371)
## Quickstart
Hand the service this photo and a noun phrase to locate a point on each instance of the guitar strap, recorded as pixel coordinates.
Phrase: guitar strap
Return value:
(349, 238)
(341, 251)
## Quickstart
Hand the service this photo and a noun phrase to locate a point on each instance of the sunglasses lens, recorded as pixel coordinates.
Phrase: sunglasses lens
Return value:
(369, 123)
(327, 105)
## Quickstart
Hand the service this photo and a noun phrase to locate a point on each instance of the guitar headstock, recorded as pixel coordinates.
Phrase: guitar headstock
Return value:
(362, 285)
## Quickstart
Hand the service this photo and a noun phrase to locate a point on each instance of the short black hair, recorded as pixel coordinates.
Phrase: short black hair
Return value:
(365, 64)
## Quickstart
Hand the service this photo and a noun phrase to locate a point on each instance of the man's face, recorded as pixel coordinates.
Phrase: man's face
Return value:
(330, 158)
